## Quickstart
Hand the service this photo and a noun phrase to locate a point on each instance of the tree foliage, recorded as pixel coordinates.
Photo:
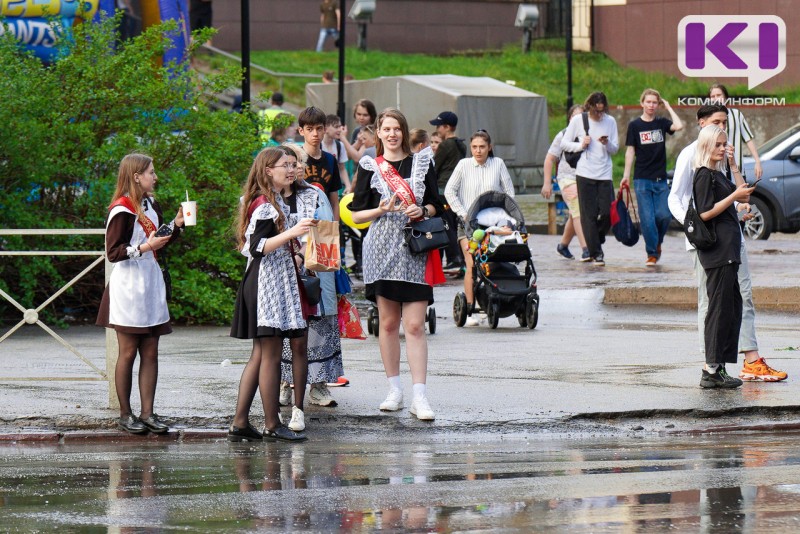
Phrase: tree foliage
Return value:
(65, 128)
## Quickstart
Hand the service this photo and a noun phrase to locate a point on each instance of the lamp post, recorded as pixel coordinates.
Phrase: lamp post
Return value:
(527, 19)
(361, 12)
(342, 24)
(569, 54)
(246, 51)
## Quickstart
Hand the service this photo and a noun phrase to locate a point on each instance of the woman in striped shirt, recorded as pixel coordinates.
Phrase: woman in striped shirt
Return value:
(471, 178)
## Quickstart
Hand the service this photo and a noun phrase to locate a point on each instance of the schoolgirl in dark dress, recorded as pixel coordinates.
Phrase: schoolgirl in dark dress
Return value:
(395, 278)
(268, 307)
(714, 197)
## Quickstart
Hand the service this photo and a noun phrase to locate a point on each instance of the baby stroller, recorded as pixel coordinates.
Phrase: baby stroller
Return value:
(498, 286)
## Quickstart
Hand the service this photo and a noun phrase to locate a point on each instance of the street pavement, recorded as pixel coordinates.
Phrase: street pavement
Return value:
(608, 355)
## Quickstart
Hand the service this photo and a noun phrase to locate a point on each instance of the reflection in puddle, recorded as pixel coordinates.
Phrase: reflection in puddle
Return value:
(710, 485)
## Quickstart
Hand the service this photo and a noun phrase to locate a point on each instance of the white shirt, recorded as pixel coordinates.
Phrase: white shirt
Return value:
(341, 156)
(564, 169)
(738, 132)
(470, 180)
(595, 162)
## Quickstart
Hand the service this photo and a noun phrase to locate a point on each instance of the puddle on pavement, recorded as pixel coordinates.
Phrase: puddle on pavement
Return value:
(695, 483)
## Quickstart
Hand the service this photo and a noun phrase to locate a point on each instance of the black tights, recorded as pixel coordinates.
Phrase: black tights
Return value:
(263, 372)
(147, 347)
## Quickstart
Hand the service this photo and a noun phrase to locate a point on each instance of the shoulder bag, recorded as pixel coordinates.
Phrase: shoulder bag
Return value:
(699, 234)
(622, 224)
(572, 158)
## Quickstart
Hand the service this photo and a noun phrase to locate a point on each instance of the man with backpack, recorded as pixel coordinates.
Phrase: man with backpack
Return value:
(451, 150)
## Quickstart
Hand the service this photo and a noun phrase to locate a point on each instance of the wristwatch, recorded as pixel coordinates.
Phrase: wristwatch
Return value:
(424, 211)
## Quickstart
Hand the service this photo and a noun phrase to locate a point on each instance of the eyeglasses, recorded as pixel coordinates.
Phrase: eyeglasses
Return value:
(288, 166)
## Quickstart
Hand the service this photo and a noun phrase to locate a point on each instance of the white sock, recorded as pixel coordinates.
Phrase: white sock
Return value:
(712, 367)
(395, 383)
(419, 390)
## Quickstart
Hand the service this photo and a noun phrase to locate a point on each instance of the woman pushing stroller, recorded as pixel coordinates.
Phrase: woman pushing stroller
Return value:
(472, 177)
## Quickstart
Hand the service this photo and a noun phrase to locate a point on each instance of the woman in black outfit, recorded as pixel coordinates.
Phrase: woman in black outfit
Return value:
(714, 196)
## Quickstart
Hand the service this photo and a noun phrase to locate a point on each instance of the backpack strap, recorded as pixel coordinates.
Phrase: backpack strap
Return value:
(585, 116)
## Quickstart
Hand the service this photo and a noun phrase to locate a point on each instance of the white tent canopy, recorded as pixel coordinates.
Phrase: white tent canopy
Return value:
(515, 119)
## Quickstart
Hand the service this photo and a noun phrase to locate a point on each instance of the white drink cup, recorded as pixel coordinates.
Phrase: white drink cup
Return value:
(189, 212)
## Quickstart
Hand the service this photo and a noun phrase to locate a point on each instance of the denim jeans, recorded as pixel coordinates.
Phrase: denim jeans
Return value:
(747, 333)
(654, 214)
(323, 34)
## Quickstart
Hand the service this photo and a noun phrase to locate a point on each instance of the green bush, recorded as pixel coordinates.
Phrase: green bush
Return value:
(66, 127)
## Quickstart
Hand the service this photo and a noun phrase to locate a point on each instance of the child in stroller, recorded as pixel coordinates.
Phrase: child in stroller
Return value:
(498, 244)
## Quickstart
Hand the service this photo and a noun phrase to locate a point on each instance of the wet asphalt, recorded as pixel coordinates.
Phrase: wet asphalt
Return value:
(524, 483)
(591, 422)
(586, 361)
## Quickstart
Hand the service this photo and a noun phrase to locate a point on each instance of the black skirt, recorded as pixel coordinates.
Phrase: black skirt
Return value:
(399, 291)
(245, 311)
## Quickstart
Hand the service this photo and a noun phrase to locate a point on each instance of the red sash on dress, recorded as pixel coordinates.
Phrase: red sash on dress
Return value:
(147, 225)
(434, 274)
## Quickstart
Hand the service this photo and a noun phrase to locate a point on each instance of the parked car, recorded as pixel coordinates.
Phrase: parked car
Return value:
(776, 199)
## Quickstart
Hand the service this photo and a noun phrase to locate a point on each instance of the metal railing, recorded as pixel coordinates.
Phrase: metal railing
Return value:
(259, 68)
(31, 315)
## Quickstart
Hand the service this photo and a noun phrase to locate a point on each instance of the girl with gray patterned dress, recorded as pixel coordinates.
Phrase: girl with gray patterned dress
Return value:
(268, 307)
(395, 278)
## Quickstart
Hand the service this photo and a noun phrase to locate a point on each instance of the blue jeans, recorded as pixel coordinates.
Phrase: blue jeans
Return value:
(654, 214)
(323, 34)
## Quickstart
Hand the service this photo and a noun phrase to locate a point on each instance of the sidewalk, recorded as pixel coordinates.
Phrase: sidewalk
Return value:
(590, 361)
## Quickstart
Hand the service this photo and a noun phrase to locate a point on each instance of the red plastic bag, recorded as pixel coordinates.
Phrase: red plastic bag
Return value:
(434, 274)
(349, 321)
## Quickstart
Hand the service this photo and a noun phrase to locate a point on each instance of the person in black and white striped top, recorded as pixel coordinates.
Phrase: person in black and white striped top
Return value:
(738, 130)
(471, 178)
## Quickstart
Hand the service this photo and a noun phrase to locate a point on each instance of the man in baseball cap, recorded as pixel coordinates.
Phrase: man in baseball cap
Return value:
(450, 152)
(445, 118)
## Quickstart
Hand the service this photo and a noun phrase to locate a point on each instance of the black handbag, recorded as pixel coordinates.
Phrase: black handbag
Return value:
(697, 231)
(313, 289)
(429, 234)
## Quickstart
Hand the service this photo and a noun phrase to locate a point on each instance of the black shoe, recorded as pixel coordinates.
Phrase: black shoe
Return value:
(452, 266)
(719, 379)
(248, 433)
(599, 260)
(281, 433)
(131, 424)
(155, 425)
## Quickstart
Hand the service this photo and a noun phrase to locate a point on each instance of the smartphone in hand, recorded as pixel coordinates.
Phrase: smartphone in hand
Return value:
(164, 231)
(753, 184)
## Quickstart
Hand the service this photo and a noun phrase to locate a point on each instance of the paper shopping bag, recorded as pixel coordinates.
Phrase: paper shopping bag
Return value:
(322, 249)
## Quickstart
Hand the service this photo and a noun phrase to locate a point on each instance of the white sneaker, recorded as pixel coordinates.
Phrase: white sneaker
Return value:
(285, 397)
(298, 422)
(422, 409)
(320, 395)
(472, 321)
(394, 400)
